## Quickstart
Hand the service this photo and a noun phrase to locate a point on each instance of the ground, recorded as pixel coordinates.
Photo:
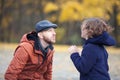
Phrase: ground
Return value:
(63, 68)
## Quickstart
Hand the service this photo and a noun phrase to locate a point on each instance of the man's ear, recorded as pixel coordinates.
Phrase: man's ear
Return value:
(40, 35)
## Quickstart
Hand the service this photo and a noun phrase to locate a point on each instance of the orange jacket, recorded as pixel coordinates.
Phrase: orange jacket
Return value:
(27, 63)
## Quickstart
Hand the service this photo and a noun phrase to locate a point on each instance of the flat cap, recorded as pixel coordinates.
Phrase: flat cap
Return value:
(44, 24)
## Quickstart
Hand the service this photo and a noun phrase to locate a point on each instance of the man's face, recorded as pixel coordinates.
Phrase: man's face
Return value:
(49, 35)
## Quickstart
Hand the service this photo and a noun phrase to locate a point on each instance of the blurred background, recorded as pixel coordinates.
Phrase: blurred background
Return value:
(18, 17)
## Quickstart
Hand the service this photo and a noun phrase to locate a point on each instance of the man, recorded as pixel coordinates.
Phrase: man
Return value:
(33, 57)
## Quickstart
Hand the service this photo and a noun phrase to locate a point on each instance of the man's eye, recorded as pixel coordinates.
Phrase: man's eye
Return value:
(49, 30)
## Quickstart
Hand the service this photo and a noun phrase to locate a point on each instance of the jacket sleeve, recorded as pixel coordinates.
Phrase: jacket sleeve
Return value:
(86, 61)
(17, 64)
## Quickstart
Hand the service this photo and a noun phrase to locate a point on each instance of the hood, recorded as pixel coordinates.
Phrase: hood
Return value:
(25, 39)
(103, 39)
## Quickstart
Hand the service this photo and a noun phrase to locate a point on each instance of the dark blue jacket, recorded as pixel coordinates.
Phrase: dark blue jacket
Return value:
(92, 64)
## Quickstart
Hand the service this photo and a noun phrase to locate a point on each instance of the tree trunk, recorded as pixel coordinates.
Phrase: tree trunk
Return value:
(1, 17)
(113, 21)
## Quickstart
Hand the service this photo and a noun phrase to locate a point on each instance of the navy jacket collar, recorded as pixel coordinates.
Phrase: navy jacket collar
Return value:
(103, 39)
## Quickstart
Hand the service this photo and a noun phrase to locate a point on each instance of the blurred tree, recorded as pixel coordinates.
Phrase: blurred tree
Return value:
(5, 20)
(51, 11)
(20, 16)
(72, 12)
(70, 20)
(1, 16)
(113, 11)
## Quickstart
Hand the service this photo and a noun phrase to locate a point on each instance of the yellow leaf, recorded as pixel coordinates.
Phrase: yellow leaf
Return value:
(70, 11)
(50, 7)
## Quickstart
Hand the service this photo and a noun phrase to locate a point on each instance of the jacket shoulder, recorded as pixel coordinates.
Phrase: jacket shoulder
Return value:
(90, 45)
(27, 47)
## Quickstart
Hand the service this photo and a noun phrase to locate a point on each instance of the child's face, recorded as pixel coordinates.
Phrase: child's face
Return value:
(84, 32)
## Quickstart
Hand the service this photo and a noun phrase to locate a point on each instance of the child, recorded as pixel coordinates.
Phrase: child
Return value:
(92, 61)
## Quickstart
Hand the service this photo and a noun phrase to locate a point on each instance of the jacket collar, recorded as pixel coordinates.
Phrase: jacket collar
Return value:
(103, 39)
